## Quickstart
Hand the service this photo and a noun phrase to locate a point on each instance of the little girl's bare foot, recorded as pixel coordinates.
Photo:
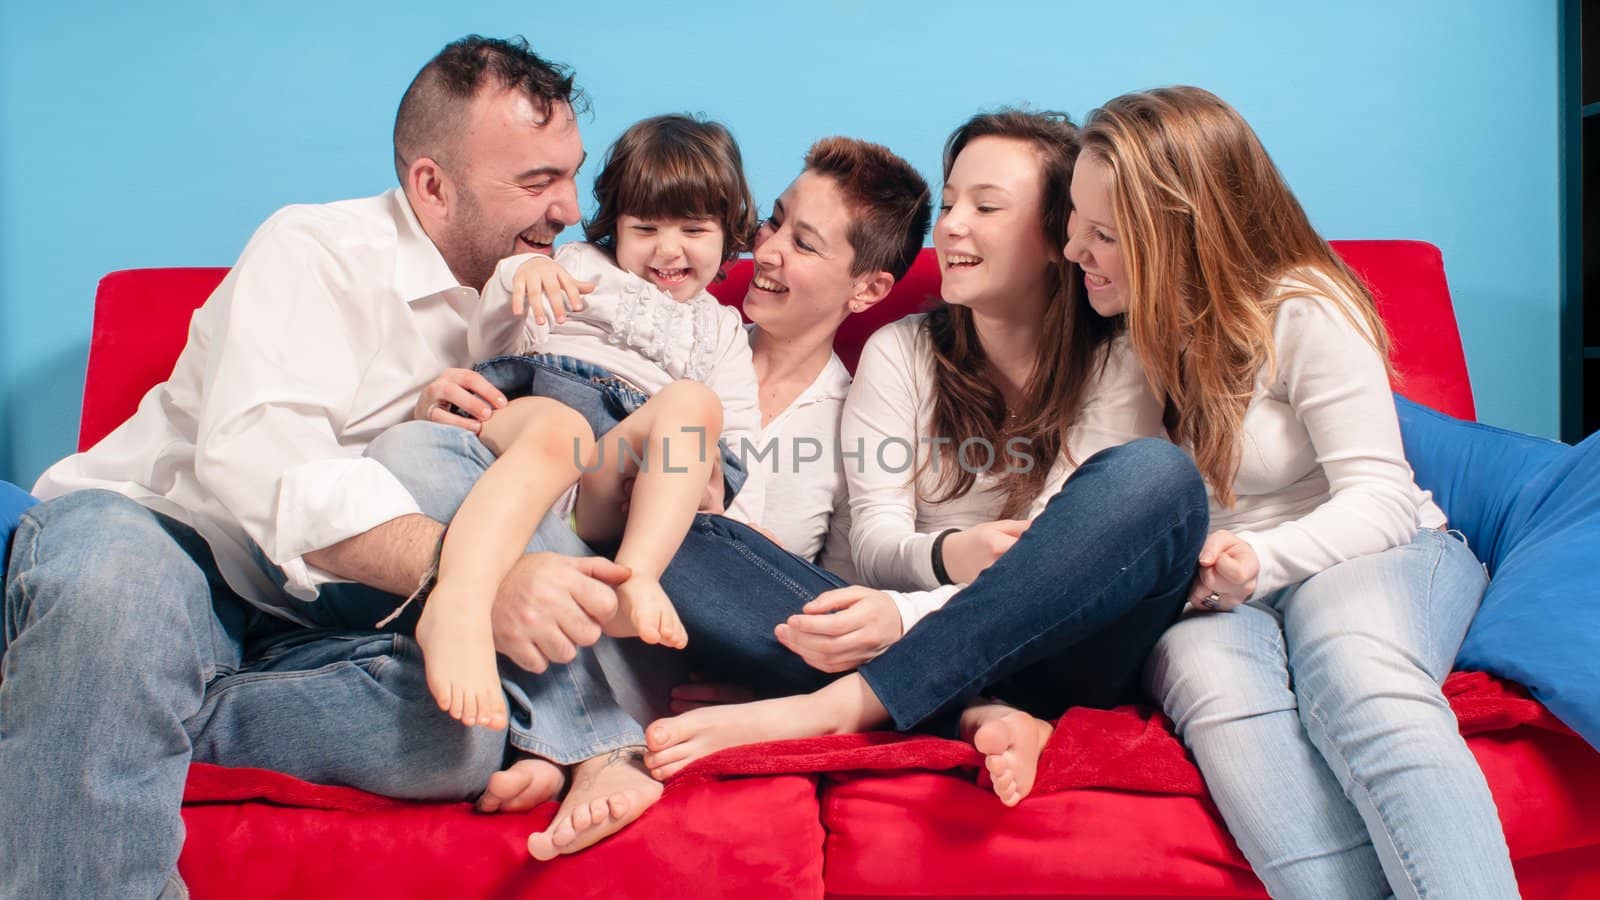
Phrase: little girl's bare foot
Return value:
(459, 660)
(1011, 742)
(643, 611)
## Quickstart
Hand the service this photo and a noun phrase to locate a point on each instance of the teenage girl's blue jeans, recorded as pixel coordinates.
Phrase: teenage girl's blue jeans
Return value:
(1315, 716)
(1065, 618)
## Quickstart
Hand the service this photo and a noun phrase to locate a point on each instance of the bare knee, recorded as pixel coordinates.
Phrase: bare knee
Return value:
(541, 427)
(689, 404)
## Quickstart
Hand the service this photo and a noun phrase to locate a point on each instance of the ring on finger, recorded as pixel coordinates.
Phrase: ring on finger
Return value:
(1212, 600)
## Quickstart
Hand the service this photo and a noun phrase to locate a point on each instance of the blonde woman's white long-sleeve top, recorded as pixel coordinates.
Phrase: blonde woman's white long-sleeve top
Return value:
(1323, 476)
(886, 438)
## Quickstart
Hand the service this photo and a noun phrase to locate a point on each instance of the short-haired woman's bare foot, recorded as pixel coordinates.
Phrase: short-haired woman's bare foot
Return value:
(522, 785)
(608, 792)
(1011, 742)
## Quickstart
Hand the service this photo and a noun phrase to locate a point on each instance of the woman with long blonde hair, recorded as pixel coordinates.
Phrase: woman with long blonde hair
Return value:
(1329, 601)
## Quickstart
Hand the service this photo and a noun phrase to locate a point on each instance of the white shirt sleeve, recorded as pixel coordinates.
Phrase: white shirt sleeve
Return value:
(1338, 387)
(495, 331)
(914, 606)
(267, 443)
(881, 422)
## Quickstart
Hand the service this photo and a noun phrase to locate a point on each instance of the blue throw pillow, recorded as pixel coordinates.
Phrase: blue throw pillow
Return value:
(1476, 472)
(1540, 621)
(1531, 509)
(13, 500)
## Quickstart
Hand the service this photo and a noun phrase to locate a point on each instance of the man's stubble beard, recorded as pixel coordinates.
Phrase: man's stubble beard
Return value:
(468, 252)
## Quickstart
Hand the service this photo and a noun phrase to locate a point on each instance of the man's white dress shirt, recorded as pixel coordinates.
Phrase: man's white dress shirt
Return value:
(321, 336)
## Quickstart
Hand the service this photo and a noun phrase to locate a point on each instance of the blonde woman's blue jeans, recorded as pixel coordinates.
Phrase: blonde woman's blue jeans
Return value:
(1316, 717)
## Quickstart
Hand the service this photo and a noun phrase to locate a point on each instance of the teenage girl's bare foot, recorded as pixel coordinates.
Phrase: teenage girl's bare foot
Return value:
(643, 611)
(680, 740)
(522, 785)
(1010, 741)
(459, 660)
(608, 792)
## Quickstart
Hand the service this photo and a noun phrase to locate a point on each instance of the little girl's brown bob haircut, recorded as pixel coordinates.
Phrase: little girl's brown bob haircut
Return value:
(674, 167)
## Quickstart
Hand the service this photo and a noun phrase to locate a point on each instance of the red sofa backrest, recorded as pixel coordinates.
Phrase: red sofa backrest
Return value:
(141, 319)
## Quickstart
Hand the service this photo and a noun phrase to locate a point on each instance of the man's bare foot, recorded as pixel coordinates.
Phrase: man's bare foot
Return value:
(607, 793)
(1011, 741)
(459, 660)
(522, 785)
(643, 611)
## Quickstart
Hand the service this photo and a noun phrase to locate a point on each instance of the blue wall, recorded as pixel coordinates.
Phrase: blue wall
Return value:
(161, 134)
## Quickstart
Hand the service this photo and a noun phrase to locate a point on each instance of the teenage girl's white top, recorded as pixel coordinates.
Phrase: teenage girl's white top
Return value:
(887, 419)
(637, 331)
(1323, 476)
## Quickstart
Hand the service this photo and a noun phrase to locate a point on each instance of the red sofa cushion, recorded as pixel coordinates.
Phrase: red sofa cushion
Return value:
(256, 834)
(1093, 829)
(141, 321)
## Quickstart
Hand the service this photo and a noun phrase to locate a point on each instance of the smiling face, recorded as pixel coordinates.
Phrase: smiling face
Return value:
(803, 258)
(679, 256)
(1093, 244)
(514, 174)
(989, 235)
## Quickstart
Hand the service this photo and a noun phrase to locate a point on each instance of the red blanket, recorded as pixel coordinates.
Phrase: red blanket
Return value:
(1128, 749)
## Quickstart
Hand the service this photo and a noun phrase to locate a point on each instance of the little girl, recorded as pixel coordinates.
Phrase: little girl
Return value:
(637, 384)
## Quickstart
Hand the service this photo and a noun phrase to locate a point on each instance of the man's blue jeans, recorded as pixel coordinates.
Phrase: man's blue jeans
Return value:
(125, 656)
(1065, 618)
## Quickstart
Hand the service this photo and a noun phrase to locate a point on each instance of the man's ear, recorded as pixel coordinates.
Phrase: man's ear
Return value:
(430, 190)
(869, 289)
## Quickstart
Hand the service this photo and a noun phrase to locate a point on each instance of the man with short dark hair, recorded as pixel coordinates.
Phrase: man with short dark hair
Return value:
(154, 609)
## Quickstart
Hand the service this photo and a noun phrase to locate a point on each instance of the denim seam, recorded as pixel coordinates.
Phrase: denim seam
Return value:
(18, 574)
(298, 674)
(1366, 794)
(617, 386)
(1316, 713)
(774, 572)
(1427, 619)
(595, 747)
(984, 677)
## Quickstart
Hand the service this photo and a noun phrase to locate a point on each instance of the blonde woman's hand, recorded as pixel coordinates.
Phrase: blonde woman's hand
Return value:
(842, 629)
(969, 551)
(463, 389)
(1226, 574)
(543, 289)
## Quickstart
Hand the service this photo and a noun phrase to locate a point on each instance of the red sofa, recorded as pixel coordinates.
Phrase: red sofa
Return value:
(1120, 810)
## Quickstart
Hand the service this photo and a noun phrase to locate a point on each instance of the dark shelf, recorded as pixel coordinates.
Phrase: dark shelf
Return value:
(1580, 303)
